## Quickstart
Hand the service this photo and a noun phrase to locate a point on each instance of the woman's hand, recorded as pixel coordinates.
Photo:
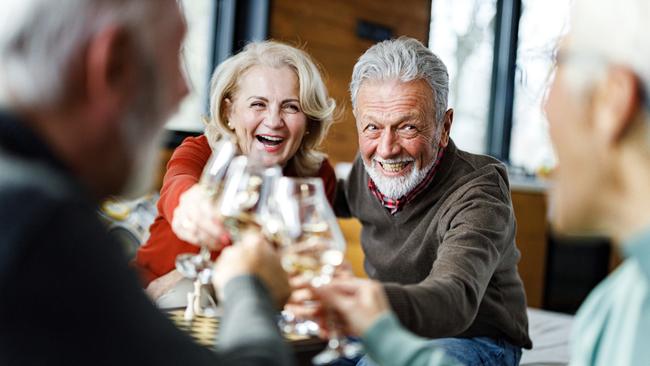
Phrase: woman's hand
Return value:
(196, 221)
(162, 284)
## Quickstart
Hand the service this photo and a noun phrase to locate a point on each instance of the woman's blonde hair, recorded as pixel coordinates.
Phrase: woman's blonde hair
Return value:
(314, 99)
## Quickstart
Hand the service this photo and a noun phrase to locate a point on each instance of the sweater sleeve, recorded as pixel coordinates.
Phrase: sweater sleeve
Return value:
(69, 298)
(388, 343)
(248, 329)
(183, 171)
(157, 256)
(477, 230)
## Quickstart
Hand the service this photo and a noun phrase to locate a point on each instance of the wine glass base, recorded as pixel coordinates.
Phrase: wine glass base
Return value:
(327, 357)
(353, 350)
(336, 349)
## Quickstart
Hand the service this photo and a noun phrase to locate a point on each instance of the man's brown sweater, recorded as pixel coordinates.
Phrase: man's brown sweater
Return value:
(448, 259)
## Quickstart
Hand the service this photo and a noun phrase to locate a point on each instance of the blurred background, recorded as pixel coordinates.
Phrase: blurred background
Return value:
(500, 58)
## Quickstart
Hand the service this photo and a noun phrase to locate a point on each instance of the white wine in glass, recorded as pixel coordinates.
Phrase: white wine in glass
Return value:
(246, 188)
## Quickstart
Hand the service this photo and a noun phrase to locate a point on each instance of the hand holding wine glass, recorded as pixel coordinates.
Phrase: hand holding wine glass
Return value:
(303, 224)
(359, 302)
(196, 220)
(199, 266)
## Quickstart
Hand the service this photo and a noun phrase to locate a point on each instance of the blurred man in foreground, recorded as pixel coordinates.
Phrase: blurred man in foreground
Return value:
(85, 87)
(600, 126)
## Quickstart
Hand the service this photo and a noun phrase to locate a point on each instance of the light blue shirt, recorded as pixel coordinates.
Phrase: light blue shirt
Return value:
(612, 327)
(388, 343)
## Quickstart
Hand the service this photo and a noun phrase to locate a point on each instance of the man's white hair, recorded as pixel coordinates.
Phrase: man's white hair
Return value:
(606, 32)
(39, 38)
(404, 59)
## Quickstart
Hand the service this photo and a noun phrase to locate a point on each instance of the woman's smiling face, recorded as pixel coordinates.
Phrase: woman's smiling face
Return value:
(266, 114)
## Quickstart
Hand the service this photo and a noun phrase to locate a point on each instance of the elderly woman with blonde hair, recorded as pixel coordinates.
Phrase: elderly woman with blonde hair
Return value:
(272, 100)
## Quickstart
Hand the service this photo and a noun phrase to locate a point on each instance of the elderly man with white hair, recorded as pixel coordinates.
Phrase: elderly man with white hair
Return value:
(85, 87)
(438, 224)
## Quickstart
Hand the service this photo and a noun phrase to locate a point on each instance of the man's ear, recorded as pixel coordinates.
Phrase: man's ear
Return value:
(616, 101)
(110, 71)
(447, 120)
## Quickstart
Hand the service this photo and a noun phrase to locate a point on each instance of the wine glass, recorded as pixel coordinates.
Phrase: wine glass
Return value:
(188, 264)
(300, 219)
(247, 186)
(198, 267)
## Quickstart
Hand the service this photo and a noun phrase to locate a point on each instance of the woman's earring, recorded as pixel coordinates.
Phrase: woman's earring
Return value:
(230, 126)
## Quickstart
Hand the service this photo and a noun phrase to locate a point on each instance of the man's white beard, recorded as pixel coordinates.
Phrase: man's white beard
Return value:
(397, 187)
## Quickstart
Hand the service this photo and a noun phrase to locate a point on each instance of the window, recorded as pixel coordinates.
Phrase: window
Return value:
(462, 35)
(541, 25)
(196, 56)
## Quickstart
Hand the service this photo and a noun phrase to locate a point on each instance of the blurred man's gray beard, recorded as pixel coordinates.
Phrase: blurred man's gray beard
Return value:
(397, 187)
(146, 161)
(143, 135)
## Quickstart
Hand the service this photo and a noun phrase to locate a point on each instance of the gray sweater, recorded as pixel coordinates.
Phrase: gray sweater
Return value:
(448, 259)
(68, 296)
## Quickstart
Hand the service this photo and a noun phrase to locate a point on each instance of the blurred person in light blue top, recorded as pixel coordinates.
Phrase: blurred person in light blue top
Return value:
(599, 124)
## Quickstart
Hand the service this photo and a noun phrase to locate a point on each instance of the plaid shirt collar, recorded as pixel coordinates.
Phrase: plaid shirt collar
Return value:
(394, 205)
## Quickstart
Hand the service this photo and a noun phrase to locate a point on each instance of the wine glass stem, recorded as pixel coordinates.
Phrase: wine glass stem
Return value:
(204, 252)
(335, 338)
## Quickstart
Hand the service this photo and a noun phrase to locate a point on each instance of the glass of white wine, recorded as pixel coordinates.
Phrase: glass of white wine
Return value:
(198, 267)
(190, 265)
(301, 221)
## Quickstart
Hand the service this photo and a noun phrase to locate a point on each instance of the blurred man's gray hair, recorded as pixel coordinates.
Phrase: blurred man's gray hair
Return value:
(404, 59)
(605, 32)
(38, 38)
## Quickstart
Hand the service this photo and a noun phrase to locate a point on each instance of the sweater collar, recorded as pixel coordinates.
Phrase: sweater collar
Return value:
(395, 205)
(17, 138)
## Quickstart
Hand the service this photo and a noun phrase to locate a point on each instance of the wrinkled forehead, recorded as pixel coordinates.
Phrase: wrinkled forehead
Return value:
(394, 96)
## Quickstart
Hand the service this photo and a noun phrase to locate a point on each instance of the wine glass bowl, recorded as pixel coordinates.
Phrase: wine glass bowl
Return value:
(305, 228)
(247, 186)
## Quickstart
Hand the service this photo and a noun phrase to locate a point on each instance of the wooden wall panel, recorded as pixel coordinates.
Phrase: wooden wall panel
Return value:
(327, 30)
(531, 239)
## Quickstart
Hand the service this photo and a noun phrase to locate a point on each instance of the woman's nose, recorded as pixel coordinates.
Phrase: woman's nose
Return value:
(274, 118)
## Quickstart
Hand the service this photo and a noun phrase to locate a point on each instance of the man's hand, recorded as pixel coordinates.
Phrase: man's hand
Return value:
(359, 302)
(303, 303)
(196, 221)
(253, 255)
(162, 284)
